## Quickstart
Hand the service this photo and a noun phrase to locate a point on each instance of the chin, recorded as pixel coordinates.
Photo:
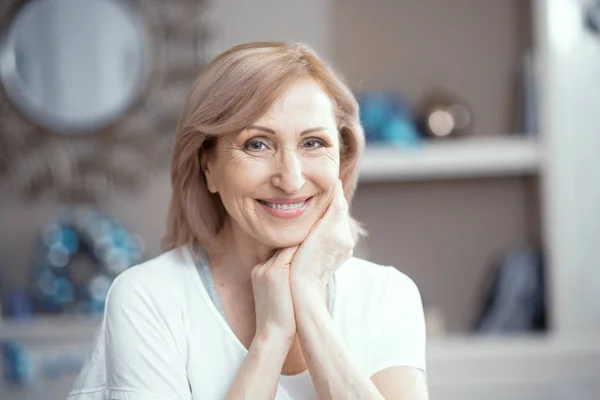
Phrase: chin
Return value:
(279, 240)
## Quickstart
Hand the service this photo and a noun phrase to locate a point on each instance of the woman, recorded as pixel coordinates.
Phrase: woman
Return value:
(258, 295)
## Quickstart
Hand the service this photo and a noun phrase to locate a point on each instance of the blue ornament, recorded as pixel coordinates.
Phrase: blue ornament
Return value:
(64, 291)
(18, 368)
(387, 119)
(102, 247)
(399, 132)
(70, 239)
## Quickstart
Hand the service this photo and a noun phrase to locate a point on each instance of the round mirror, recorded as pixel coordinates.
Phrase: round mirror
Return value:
(74, 66)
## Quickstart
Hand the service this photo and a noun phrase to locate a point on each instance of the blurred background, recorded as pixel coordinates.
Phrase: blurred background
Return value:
(481, 180)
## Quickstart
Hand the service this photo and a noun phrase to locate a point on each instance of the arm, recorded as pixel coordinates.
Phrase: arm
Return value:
(402, 383)
(333, 371)
(398, 366)
(397, 339)
(258, 376)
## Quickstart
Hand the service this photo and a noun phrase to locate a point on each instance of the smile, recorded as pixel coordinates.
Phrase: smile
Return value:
(285, 208)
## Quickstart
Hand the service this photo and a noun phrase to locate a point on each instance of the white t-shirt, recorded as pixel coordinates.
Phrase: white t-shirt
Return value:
(163, 338)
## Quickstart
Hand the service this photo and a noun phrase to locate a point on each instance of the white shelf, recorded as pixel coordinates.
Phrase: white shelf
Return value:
(449, 159)
(514, 367)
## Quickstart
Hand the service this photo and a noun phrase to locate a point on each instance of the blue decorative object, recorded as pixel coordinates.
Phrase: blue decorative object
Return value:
(19, 369)
(516, 299)
(387, 119)
(17, 366)
(78, 256)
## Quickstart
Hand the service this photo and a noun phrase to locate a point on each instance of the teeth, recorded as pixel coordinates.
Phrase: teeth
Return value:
(291, 206)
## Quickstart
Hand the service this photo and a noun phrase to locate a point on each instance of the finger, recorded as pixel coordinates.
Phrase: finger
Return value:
(285, 256)
(338, 206)
(335, 200)
(333, 213)
(340, 196)
(260, 268)
(338, 203)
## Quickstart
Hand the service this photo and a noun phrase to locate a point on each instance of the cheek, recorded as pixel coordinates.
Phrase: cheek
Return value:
(323, 171)
(239, 181)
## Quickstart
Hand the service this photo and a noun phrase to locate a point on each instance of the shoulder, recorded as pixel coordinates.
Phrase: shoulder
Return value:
(381, 316)
(373, 279)
(158, 282)
(380, 306)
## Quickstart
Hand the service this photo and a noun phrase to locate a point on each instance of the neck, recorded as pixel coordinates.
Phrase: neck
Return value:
(238, 253)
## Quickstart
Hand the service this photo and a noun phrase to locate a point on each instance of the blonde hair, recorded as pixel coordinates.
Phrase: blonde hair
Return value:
(236, 89)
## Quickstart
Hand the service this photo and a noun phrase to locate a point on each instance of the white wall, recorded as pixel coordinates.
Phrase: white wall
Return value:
(239, 21)
(569, 59)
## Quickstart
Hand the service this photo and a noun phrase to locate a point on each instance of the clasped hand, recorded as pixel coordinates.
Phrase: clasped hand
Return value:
(303, 270)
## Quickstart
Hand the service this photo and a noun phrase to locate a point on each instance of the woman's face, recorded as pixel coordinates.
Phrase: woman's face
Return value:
(276, 177)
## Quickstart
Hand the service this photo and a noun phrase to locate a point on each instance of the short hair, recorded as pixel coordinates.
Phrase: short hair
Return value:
(233, 91)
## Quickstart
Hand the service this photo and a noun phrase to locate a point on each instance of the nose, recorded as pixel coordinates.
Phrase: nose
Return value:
(289, 175)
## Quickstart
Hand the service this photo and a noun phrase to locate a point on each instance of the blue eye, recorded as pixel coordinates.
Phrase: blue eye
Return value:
(314, 143)
(255, 145)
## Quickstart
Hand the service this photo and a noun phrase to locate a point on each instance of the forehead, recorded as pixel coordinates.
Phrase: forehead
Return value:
(303, 100)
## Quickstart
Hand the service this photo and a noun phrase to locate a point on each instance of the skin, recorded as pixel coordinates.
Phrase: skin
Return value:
(272, 280)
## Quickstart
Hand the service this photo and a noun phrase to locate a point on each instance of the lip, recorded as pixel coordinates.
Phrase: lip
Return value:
(284, 200)
(285, 214)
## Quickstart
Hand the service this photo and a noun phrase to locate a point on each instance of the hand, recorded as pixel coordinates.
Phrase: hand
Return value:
(326, 247)
(273, 298)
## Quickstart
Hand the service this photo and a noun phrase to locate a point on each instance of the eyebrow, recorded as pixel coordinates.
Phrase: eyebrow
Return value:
(272, 132)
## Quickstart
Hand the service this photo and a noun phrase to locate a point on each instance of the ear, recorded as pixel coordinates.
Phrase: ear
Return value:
(208, 169)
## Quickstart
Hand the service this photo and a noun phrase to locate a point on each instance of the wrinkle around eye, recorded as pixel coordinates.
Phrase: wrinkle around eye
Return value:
(232, 153)
(329, 153)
